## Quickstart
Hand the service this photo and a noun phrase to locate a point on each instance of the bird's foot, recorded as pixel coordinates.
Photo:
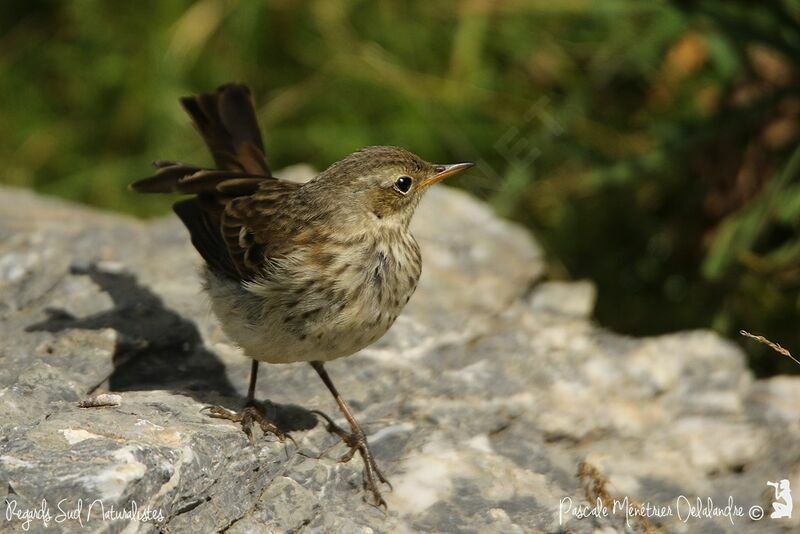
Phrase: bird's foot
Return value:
(251, 415)
(357, 442)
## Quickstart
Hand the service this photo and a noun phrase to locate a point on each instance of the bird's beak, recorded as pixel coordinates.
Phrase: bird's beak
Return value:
(443, 171)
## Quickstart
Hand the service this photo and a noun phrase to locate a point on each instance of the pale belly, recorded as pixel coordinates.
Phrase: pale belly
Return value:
(321, 323)
(269, 339)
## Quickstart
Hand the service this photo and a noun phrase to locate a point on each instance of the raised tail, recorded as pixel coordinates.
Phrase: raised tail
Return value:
(227, 121)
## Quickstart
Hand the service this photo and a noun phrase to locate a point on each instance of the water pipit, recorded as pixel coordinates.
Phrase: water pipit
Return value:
(299, 272)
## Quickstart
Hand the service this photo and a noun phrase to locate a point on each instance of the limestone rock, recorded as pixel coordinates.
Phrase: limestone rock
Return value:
(482, 401)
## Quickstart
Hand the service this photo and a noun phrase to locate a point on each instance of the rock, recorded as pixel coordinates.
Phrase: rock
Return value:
(482, 402)
(566, 298)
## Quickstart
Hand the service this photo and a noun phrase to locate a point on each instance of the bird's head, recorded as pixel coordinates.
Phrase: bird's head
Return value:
(384, 182)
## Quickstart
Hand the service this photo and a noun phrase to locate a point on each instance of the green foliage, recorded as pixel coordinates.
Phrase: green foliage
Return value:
(652, 146)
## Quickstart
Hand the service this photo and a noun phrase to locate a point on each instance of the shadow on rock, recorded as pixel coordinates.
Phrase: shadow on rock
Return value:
(157, 348)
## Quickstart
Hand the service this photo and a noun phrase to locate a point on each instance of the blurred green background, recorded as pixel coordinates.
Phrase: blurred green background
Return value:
(652, 146)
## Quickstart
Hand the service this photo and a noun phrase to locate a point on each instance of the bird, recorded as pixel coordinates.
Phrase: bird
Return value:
(295, 272)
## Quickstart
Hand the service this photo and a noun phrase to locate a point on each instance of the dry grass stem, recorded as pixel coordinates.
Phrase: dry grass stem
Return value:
(774, 346)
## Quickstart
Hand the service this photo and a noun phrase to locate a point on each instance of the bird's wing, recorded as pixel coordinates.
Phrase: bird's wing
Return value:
(235, 215)
(260, 226)
(234, 219)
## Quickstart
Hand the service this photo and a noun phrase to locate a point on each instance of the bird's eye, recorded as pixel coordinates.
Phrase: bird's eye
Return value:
(403, 184)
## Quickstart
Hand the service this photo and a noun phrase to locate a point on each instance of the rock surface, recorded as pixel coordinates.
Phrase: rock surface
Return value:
(482, 401)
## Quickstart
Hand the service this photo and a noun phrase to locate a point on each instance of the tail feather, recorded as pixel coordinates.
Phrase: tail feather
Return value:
(227, 121)
(190, 180)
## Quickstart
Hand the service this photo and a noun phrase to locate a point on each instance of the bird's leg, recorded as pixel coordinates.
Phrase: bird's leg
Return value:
(355, 439)
(251, 389)
(251, 414)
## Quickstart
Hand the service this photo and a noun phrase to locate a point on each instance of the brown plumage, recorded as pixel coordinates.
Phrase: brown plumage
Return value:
(226, 120)
(298, 272)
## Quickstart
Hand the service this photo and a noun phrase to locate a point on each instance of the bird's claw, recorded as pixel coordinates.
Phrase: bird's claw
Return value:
(250, 415)
(357, 442)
